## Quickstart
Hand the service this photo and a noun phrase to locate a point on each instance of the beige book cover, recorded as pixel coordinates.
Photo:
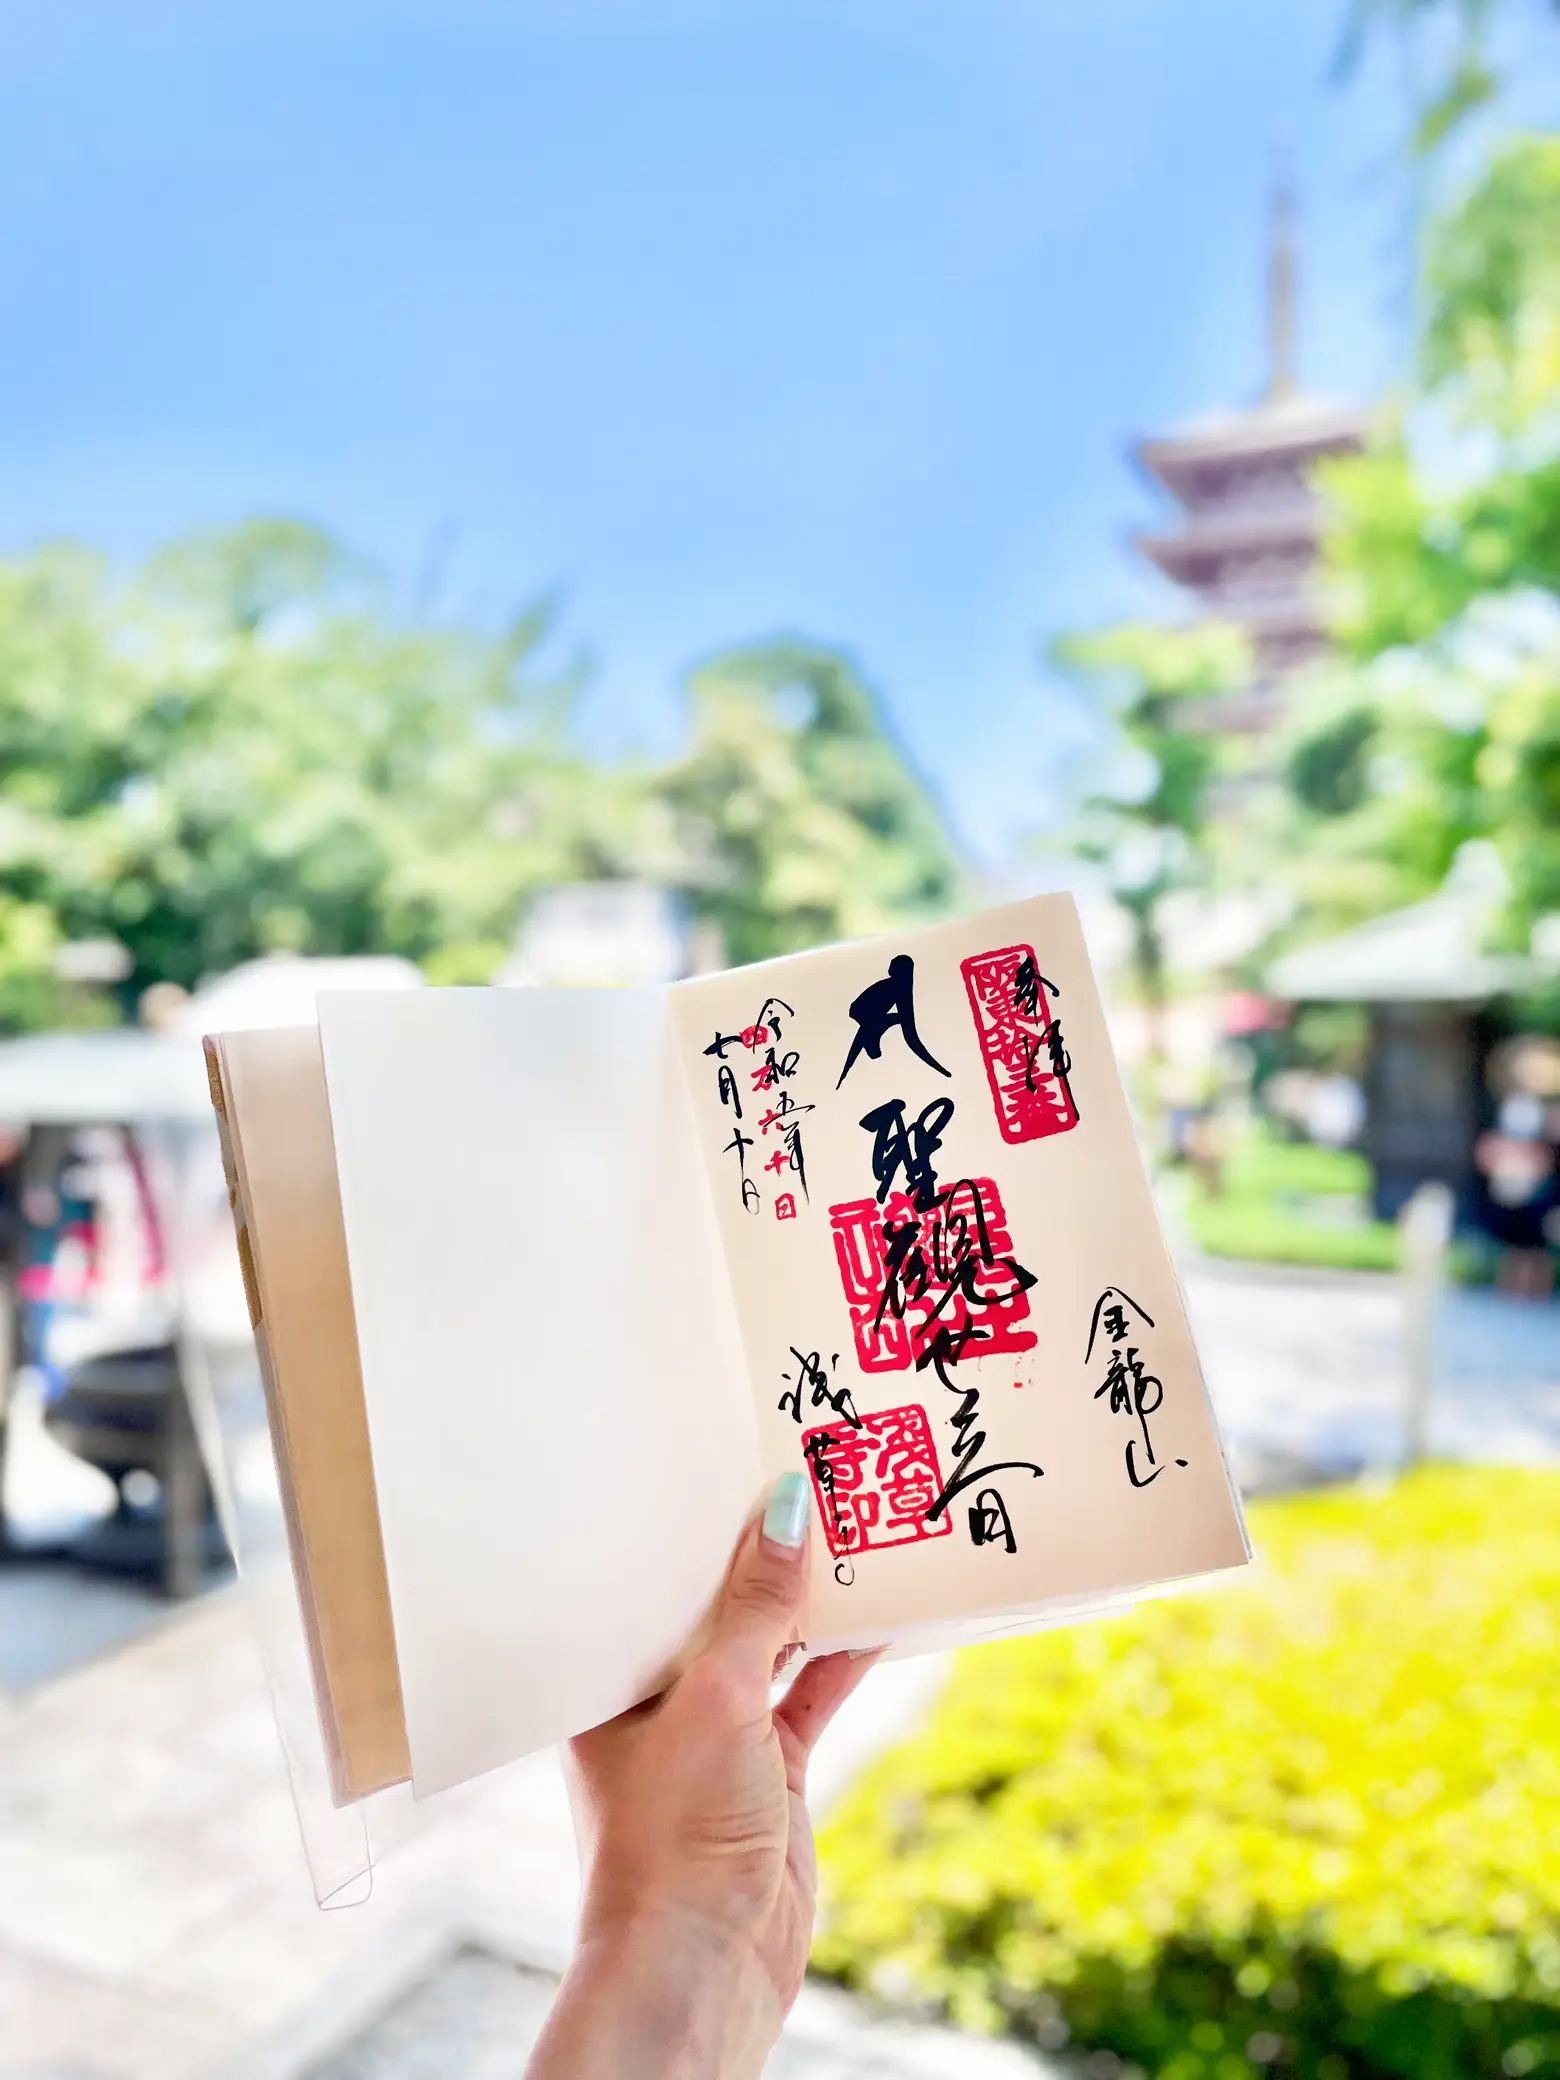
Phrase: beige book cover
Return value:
(550, 1284)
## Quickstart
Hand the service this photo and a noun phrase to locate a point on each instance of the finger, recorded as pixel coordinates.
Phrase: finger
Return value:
(762, 1599)
(817, 1694)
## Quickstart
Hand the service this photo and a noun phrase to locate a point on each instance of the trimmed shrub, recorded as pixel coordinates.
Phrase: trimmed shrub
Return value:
(1307, 1824)
(1269, 1207)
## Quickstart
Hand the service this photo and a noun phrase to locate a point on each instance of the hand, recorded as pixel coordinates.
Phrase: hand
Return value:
(700, 1875)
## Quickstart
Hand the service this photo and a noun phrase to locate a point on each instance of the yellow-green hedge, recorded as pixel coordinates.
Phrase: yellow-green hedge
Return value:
(1308, 1824)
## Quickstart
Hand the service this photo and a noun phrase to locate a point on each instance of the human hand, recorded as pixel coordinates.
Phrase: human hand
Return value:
(691, 1812)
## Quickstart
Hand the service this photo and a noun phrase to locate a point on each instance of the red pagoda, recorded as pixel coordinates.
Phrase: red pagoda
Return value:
(1247, 545)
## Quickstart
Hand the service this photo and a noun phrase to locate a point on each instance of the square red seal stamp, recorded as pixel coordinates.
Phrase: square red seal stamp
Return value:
(908, 1275)
(875, 1485)
(1027, 1064)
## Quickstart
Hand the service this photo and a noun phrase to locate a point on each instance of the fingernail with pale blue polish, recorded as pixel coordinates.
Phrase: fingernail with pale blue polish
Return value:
(785, 1514)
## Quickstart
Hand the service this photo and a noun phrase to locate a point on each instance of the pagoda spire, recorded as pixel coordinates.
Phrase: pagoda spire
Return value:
(1281, 290)
(1244, 545)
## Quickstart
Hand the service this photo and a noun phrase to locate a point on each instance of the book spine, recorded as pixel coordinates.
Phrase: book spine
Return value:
(342, 1790)
(246, 1256)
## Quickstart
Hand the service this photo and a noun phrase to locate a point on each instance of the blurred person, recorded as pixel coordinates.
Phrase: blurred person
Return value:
(53, 1220)
(1335, 1114)
(1206, 1148)
(1517, 1160)
(691, 1816)
(1185, 1090)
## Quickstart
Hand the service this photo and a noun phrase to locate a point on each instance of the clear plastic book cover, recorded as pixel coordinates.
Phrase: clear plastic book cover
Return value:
(221, 1373)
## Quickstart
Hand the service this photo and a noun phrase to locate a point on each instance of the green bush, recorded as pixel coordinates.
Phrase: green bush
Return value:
(1262, 1165)
(1261, 1233)
(1305, 1824)
(1267, 1211)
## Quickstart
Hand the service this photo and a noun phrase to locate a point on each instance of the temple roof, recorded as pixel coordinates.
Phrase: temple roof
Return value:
(1297, 425)
(1433, 952)
(1237, 533)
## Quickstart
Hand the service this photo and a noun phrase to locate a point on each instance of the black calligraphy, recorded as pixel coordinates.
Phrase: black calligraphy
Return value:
(944, 1352)
(782, 1114)
(1128, 1388)
(881, 1006)
(811, 1378)
(841, 1531)
(953, 1270)
(909, 1148)
(1028, 983)
(989, 1523)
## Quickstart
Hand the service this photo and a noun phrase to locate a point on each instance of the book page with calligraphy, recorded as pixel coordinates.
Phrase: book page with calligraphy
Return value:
(959, 1313)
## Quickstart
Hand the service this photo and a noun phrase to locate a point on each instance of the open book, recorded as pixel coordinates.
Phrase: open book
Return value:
(550, 1284)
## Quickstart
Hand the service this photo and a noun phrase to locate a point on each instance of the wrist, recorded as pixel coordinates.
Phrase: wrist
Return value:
(667, 1996)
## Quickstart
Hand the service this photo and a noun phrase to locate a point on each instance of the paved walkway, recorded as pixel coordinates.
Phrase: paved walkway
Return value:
(156, 1922)
(1306, 1370)
(155, 1918)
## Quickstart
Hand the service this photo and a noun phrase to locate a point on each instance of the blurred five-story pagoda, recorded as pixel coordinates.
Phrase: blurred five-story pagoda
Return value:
(1246, 548)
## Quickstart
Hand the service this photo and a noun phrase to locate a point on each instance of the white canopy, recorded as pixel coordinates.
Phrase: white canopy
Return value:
(282, 990)
(125, 1075)
(1430, 953)
(93, 1079)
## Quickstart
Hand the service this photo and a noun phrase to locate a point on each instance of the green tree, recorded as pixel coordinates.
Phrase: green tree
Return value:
(235, 753)
(1448, 43)
(1492, 331)
(1447, 587)
(801, 821)
(1407, 554)
(1385, 778)
(1150, 830)
(239, 750)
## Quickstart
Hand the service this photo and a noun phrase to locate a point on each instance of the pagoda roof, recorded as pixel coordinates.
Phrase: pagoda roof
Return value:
(1232, 534)
(1298, 424)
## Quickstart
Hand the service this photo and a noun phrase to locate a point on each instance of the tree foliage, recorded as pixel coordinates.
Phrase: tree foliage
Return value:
(1447, 585)
(1408, 552)
(801, 820)
(231, 755)
(1148, 828)
(1450, 42)
(238, 750)
(1492, 335)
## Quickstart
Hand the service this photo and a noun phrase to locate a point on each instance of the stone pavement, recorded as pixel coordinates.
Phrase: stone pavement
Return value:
(1306, 1371)
(479, 2013)
(156, 1921)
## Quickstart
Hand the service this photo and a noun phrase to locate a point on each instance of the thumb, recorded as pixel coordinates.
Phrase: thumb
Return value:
(762, 1600)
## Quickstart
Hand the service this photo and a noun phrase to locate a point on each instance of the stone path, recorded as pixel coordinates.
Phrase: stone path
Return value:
(479, 2013)
(1306, 1371)
(156, 1920)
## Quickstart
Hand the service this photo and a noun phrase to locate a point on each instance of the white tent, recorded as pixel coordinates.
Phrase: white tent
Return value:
(124, 1075)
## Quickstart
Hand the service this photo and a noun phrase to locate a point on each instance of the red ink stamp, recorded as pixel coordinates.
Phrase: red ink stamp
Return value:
(910, 1276)
(785, 1207)
(875, 1485)
(1027, 1064)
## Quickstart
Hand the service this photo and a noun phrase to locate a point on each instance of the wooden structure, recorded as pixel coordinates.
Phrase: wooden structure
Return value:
(1249, 527)
(1427, 983)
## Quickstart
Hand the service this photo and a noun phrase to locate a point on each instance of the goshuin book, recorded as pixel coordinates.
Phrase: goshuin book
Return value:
(550, 1284)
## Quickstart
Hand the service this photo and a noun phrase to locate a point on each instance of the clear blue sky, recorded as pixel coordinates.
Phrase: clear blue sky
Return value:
(726, 317)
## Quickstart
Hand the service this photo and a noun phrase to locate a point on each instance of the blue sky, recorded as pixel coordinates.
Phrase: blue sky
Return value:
(725, 319)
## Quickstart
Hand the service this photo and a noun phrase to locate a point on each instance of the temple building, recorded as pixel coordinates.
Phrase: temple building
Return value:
(1249, 526)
